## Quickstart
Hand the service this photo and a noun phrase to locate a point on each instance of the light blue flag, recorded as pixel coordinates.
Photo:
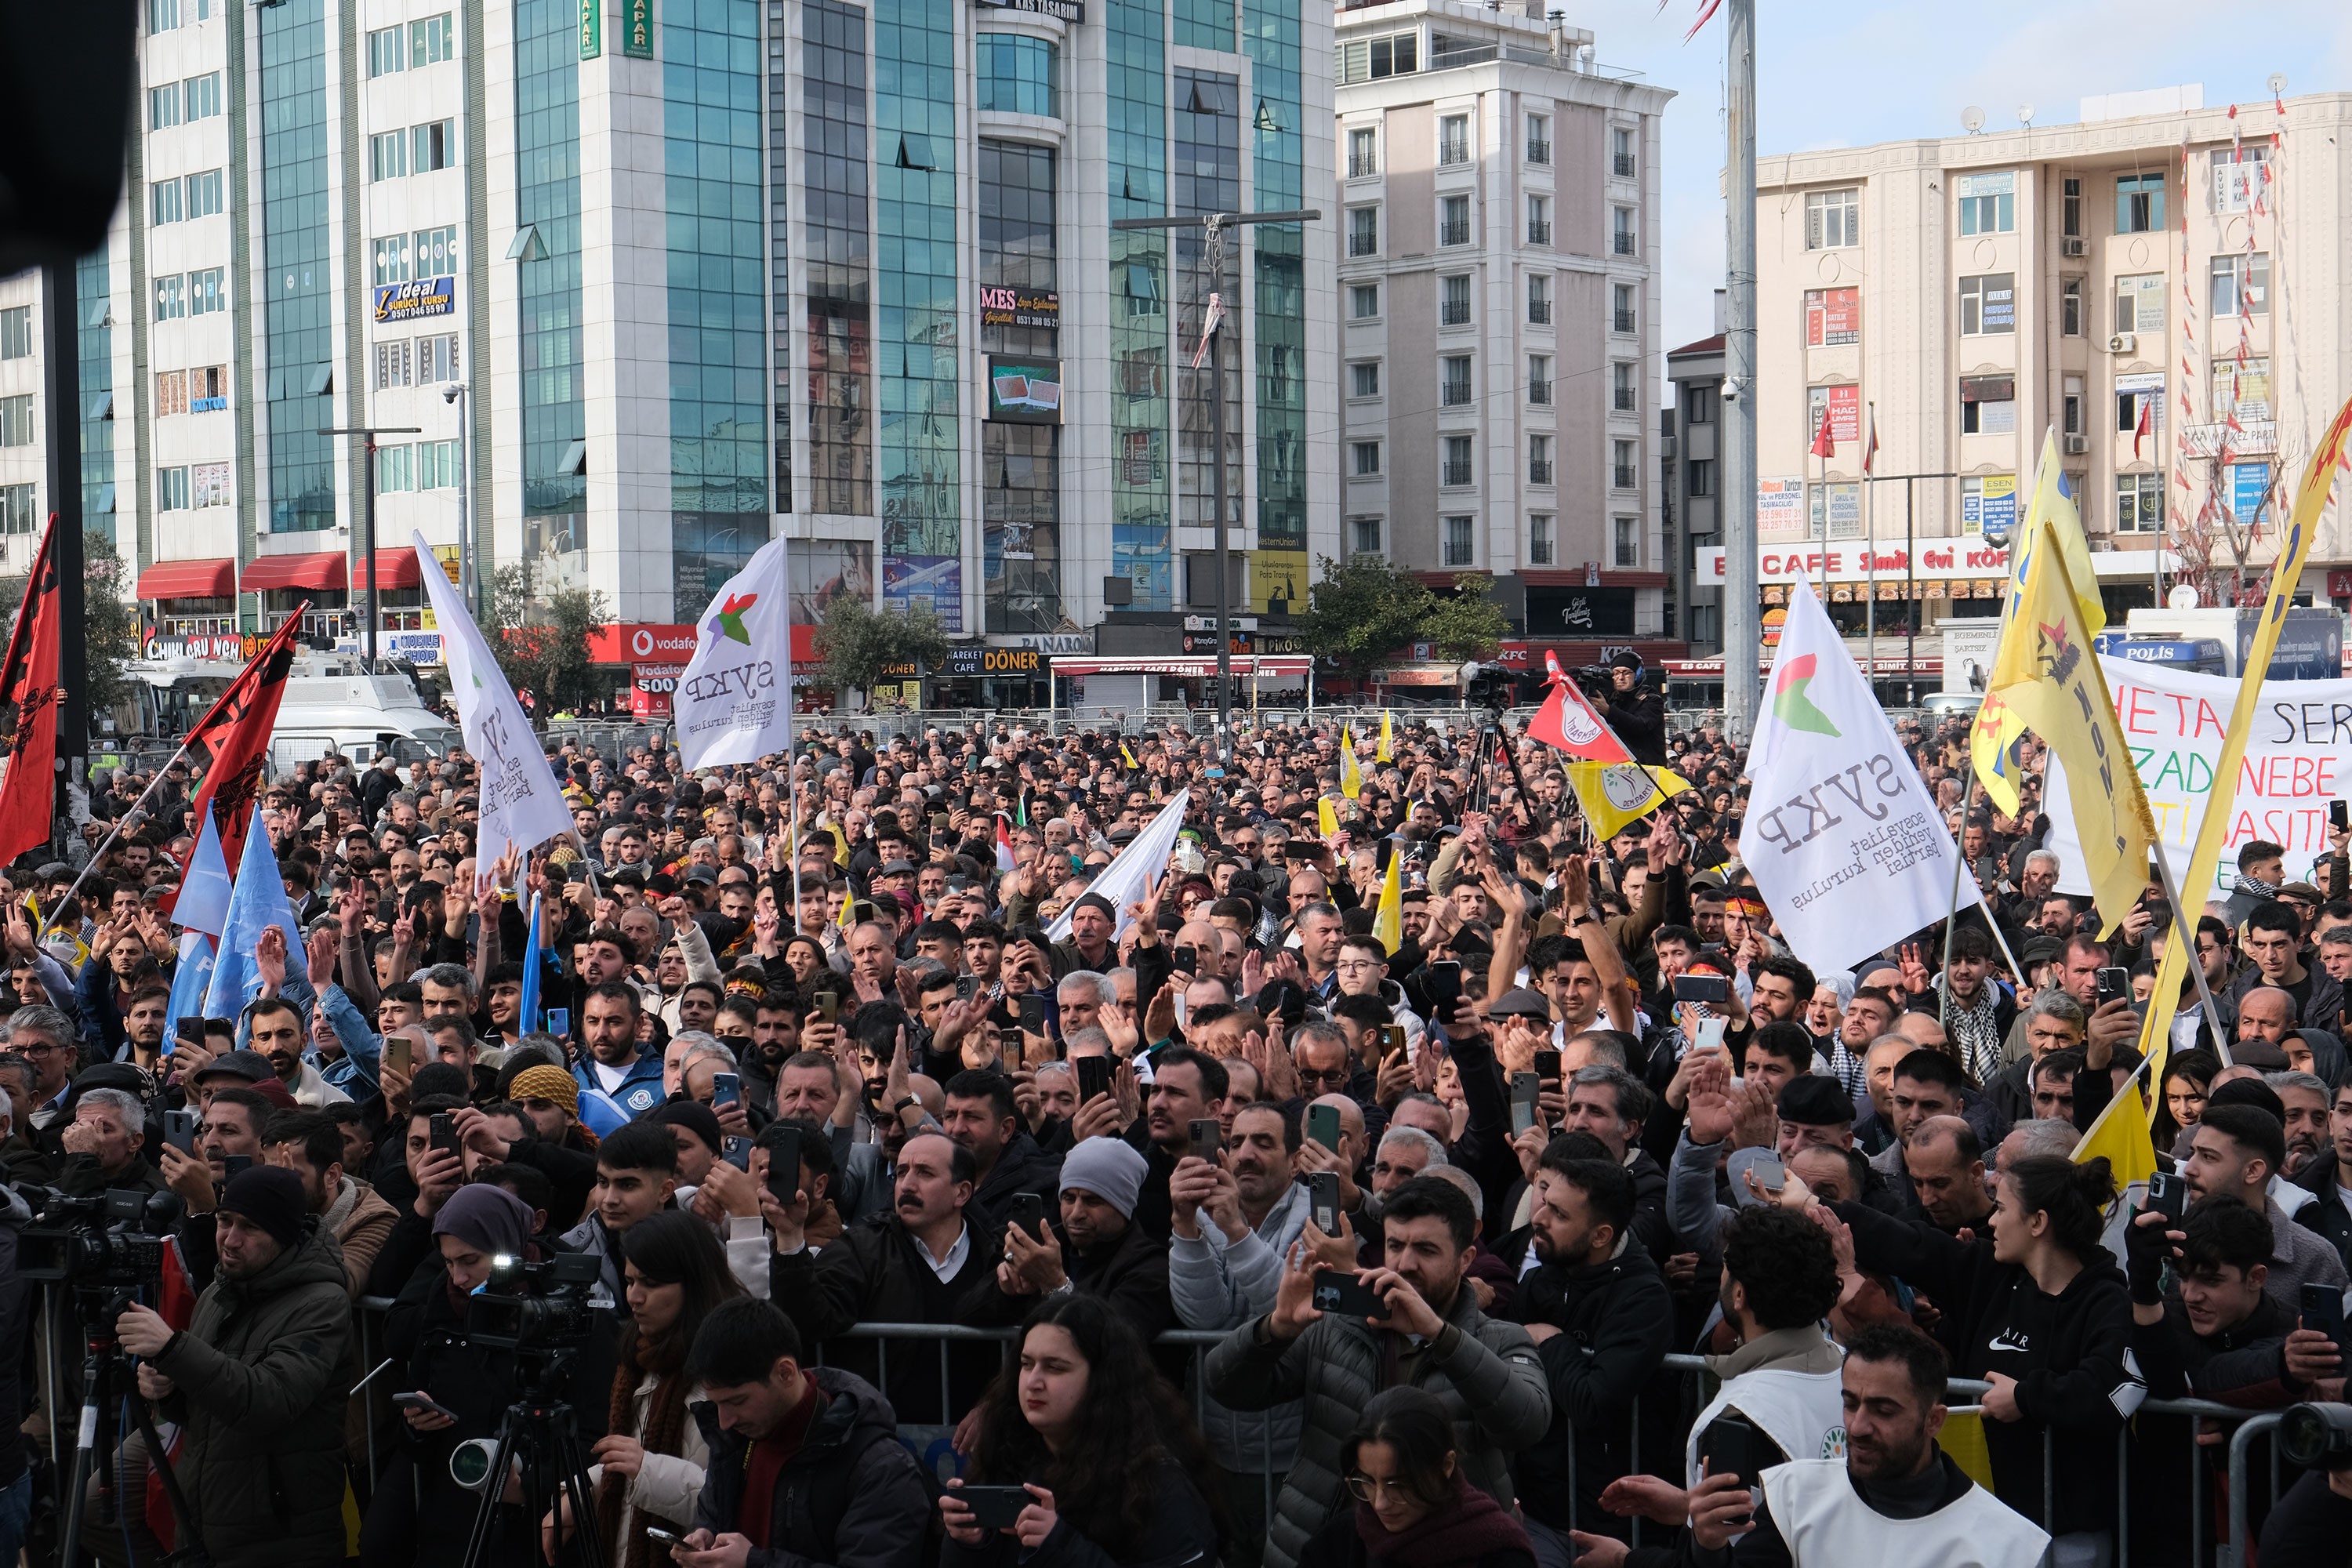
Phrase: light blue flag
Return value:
(202, 901)
(256, 904)
(190, 979)
(527, 1023)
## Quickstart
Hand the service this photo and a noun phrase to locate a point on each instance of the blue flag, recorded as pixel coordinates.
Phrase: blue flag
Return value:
(202, 901)
(527, 1022)
(190, 980)
(256, 904)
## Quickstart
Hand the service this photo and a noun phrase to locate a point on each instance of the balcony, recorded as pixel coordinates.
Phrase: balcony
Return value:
(1360, 164)
(1621, 243)
(1539, 392)
(1457, 475)
(1455, 394)
(1453, 151)
(1540, 312)
(1538, 152)
(1621, 165)
(1622, 476)
(1621, 323)
(1454, 313)
(1539, 231)
(1454, 231)
(1362, 244)
(1538, 471)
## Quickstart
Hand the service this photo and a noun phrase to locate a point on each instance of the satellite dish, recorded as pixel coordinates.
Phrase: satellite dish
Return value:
(2278, 84)
(2025, 114)
(1972, 118)
(2182, 597)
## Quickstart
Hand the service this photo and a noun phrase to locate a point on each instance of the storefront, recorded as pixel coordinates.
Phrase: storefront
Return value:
(990, 678)
(1891, 590)
(1133, 684)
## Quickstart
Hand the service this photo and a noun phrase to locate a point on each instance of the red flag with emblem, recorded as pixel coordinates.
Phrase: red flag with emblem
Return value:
(231, 743)
(28, 683)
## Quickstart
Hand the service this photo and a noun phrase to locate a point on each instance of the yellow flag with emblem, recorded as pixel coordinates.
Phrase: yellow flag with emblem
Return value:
(1126, 756)
(2050, 516)
(1388, 919)
(1351, 777)
(1386, 750)
(2048, 673)
(1327, 817)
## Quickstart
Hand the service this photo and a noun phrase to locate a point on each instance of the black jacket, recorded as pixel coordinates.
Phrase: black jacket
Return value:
(853, 1496)
(1022, 1167)
(2329, 1216)
(1639, 716)
(878, 1273)
(1615, 1323)
(1182, 1534)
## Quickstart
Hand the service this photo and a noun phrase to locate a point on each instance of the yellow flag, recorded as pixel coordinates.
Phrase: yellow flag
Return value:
(2050, 516)
(1388, 919)
(1386, 750)
(1351, 777)
(2121, 1134)
(1614, 793)
(2156, 1027)
(848, 897)
(2054, 507)
(2047, 672)
(1125, 755)
(1325, 818)
(2205, 855)
(1995, 731)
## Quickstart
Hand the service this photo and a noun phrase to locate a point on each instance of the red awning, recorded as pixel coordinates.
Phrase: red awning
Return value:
(395, 568)
(188, 580)
(321, 569)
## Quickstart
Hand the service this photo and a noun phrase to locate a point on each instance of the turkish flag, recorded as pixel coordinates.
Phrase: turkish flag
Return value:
(2146, 426)
(1824, 444)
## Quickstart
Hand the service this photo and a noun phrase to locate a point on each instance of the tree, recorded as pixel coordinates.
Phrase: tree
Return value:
(855, 643)
(1366, 607)
(1466, 625)
(542, 642)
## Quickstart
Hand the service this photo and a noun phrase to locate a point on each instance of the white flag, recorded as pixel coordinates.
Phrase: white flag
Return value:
(1131, 871)
(1847, 848)
(521, 804)
(734, 704)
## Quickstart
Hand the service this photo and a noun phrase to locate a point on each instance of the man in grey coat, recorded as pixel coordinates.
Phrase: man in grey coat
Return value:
(1433, 1337)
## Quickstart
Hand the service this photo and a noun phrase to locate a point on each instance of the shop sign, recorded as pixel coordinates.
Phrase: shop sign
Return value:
(412, 301)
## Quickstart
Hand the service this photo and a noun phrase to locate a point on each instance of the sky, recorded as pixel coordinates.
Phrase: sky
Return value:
(1839, 77)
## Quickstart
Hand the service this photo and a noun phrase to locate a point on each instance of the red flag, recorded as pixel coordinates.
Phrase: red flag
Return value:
(2141, 431)
(231, 743)
(1824, 444)
(1569, 723)
(29, 681)
(1870, 444)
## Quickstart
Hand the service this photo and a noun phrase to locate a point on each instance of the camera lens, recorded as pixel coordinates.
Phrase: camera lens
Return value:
(2314, 1435)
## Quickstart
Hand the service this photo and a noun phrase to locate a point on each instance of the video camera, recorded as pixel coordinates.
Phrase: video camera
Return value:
(110, 1242)
(536, 1306)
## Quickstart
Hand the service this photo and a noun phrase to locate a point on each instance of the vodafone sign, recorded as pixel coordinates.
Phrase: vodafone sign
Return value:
(638, 643)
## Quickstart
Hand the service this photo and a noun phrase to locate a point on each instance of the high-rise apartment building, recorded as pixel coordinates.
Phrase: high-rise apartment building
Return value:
(1499, 297)
(710, 271)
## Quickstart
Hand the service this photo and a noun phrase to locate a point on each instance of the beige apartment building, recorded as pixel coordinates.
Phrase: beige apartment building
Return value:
(1500, 306)
(2163, 283)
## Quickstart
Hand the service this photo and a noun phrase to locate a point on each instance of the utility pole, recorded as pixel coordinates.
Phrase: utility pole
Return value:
(1742, 644)
(61, 432)
(367, 434)
(1213, 226)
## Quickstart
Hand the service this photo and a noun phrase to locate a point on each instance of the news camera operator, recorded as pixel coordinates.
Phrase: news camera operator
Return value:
(1636, 712)
(256, 1384)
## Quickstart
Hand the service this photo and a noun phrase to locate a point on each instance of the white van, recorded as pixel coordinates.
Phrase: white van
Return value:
(330, 703)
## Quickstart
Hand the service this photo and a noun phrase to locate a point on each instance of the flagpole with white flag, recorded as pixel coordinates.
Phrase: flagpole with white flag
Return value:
(1133, 869)
(520, 804)
(734, 701)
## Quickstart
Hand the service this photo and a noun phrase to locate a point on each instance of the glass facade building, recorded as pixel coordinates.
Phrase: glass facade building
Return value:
(552, 311)
(300, 277)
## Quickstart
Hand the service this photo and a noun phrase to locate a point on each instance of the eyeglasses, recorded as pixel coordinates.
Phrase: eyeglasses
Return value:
(1327, 1075)
(1367, 1487)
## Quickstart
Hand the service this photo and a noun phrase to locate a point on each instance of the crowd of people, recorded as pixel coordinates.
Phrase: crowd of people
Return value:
(924, 1207)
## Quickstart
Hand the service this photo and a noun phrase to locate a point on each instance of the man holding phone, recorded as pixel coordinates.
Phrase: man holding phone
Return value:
(1099, 1251)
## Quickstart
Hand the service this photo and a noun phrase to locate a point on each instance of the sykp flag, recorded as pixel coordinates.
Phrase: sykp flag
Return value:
(734, 701)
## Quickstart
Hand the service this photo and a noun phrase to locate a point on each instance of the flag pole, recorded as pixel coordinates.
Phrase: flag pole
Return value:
(1960, 866)
(2181, 922)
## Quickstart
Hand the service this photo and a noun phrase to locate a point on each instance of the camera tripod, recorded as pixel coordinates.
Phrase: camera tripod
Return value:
(106, 1376)
(539, 1432)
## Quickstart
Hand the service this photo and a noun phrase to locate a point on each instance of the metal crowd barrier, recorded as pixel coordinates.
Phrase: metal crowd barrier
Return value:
(1961, 1394)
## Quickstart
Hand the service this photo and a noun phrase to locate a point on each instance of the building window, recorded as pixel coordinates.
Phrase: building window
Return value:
(1620, 315)
(1539, 378)
(1539, 299)
(388, 50)
(1621, 151)
(1698, 404)
(1454, 300)
(432, 40)
(388, 260)
(163, 106)
(2070, 207)
(1988, 406)
(172, 490)
(1369, 59)
(2241, 285)
(388, 155)
(208, 389)
(171, 393)
(1988, 203)
(16, 509)
(394, 364)
(164, 202)
(1363, 536)
(436, 358)
(1454, 140)
(1365, 458)
(1453, 220)
(1364, 300)
(200, 96)
(1020, 75)
(1623, 391)
(170, 297)
(1620, 231)
(1363, 152)
(2139, 503)
(1702, 476)
(16, 420)
(1363, 231)
(2130, 402)
(1538, 138)
(1364, 378)
(2238, 178)
(436, 252)
(1458, 463)
(2071, 414)
(1624, 469)
(435, 147)
(2139, 302)
(1457, 540)
(2070, 307)
(395, 469)
(1988, 305)
(1539, 220)
(204, 196)
(1453, 380)
(1539, 539)
(1833, 219)
(1627, 542)
(2241, 389)
(208, 291)
(2139, 204)
(208, 486)
(1539, 459)
(163, 16)
(16, 332)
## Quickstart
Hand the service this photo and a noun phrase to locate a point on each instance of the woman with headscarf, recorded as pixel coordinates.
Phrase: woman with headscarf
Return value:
(419, 1514)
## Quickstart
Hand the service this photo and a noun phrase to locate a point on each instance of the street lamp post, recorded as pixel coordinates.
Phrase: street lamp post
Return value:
(367, 434)
(455, 392)
(1214, 226)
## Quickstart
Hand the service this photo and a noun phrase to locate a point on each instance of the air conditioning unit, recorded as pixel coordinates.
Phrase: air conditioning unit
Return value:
(2124, 343)
(2077, 445)
(2072, 245)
